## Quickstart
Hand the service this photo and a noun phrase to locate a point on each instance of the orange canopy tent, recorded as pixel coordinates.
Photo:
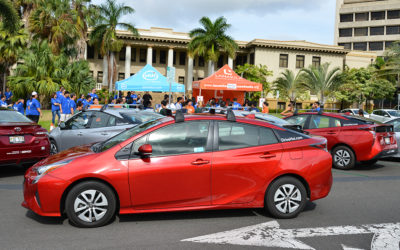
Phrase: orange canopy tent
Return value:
(225, 84)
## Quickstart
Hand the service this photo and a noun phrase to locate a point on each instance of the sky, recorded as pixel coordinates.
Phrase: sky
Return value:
(310, 20)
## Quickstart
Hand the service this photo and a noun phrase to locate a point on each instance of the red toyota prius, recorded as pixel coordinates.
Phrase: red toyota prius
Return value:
(194, 162)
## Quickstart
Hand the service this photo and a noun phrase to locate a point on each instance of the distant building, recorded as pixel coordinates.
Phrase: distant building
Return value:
(367, 25)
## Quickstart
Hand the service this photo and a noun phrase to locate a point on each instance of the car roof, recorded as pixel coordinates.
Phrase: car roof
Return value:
(118, 111)
(385, 110)
(335, 115)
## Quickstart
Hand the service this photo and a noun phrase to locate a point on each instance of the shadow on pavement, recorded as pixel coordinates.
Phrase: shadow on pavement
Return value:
(367, 167)
(45, 220)
(10, 171)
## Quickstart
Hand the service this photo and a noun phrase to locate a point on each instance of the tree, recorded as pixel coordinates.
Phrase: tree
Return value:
(320, 80)
(11, 45)
(9, 16)
(258, 74)
(104, 34)
(392, 66)
(288, 84)
(209, 40)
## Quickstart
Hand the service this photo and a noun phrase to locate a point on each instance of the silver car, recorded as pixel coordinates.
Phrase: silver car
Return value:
(383, 115)
(96, 125)
(396, 125)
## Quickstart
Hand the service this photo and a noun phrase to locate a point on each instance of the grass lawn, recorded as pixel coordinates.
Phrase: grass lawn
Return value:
(45, 120)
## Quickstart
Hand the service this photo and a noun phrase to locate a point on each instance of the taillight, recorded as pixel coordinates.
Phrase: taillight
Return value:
(371, 130)
(322, 145)
(42, 134)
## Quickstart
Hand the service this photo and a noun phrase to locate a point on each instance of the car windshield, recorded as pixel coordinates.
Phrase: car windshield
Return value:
(271, 118)
(123, 136)
(394, 113)
(396, 124)
(356, 112)
(12, 116)
(362, 119)
(140, 117)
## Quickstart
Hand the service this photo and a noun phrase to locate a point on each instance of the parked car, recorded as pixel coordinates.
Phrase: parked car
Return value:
(355, 112)
(351, 139)
(21, 140)
(396, 126)
(383, 115)
(96, 125)
(197, 162)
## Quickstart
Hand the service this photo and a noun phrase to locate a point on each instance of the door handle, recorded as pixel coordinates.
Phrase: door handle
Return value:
(267, 156)
(200, 162)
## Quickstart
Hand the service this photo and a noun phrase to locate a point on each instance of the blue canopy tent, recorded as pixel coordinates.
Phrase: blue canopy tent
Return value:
(148, 79)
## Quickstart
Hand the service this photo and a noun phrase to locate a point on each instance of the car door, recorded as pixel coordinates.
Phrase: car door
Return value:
(243, 157)
(75, 128)
(328, 127)
(179, 170)
(377, 115)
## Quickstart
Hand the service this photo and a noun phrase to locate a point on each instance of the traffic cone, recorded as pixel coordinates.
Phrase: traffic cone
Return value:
(51, 126)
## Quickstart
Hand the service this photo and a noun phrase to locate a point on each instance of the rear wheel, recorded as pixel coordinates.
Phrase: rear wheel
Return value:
(53, 147)
(90, 204)
(343, 158)
(285, 198)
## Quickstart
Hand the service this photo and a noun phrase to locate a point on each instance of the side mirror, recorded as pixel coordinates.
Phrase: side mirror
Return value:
(145, 150)
(62, 125)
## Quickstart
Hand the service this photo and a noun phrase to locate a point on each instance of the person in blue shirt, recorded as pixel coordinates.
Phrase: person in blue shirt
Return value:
(55, 108)
(33, 108)
(93, 94)
(3, 102)
(8, 95)
(60, 92)
(86, 103)
(66, 109)
(236, 105)
(134, 97)
(73, 103)
(19, 106)
(81, 98)
(253, 107)
(316, 107)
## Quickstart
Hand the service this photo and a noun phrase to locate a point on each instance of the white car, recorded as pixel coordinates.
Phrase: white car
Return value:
(383, 115)
(396, 125)
(355, 112)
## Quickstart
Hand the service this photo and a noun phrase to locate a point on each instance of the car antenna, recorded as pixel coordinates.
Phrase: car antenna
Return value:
(179, 117)
(230, 116)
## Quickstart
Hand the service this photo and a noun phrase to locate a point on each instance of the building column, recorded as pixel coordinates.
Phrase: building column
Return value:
(127, 61)
(210, 67)
(149, 55)
(248, 58)
(189, 74)
(85, 53)
(230, 62)
(170, 57)
(105, 70)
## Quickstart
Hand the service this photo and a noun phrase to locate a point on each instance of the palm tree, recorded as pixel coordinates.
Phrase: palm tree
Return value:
(392, 66)
(288, 84)
(320, 80)
(9, 16)
(209, 40)
(11, 45)
(104, 34)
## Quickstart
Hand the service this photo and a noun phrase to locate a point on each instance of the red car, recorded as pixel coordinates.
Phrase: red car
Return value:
(196, 162)
(21, 140)
(351, 139)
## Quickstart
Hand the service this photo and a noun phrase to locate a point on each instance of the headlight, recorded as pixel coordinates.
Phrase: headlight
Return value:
(42, 170)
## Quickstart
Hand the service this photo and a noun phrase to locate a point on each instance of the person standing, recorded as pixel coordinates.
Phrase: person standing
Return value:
(265, 109)
(87, 102)
(164, 108)
(93, 94)
(316, 107)
(66, 109)
(147, 97)
(33, 108)
(3, 102)
(189, 107)
(19, 106)
(8, 95)
(73, 104)
(289, 110)
(81, 98)
(178, 104)
(236, 105)
(55, 110)
(134, 97)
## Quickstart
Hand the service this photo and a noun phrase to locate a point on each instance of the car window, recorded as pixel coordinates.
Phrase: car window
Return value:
(267, 136)
(394, 113)
(396, 125)
(99, 120)
(180, 138)
(79, 121)
(319, 121)
(298, 120)
(12, 116)
(140, 117)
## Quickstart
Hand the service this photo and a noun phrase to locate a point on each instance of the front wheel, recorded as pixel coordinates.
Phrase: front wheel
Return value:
(343, 158)
(285, 198)
(53, 147)
(90, 204)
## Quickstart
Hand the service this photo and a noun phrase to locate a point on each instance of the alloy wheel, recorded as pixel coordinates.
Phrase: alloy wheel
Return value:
(90, 205)
(287, 198)
(342, 158)
(53, 148)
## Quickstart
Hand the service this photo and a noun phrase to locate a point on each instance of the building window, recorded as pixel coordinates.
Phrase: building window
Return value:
(374, 46)
(345, 45)
(361, 31)
(388, 44)
(393, 14)
(283, 60)
(376, 31)
(346, 18)
(133, 54)
(360, 46)
(122, 54)
(154, 55)
(241, 60)
(378, 15)
(201, 61)
(393, 30)
(316, 61)
(362, 16)
(181, 79)
(132, 74)
(121, 76)
(99, 76)
(163, 56)
(252, 58)
(174, 59)
(182, 58)
(220, 61)
(345, 32)
(90, 52)
(142, 55)
(299, 62)
(281, 105)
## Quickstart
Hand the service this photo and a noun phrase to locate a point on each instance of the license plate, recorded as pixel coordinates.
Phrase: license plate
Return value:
(387, 140)
(17, 139)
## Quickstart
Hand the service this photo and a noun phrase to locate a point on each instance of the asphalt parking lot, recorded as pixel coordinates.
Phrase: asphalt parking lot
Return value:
(361, 212)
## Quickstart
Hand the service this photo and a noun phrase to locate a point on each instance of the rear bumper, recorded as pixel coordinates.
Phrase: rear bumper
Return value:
(387, 153)
(25, 154)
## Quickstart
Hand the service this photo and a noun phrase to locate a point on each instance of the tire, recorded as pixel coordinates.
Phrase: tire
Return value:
(53, 147)
(90, 204)
(343, 158)
(286, 197)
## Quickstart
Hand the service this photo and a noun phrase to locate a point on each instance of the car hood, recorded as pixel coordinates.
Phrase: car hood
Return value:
(72, 153)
